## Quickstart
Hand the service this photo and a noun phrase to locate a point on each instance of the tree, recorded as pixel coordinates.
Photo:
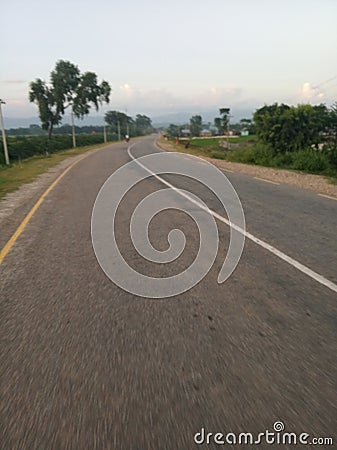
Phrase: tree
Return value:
(119, 122)
(196, 125)
(268, 122)
(67, 88)
(225, 115)
(43, 96)
(333, 121)
(218, 124)
(291, 128)
(174, 130)
(143, 125)
(222, 123)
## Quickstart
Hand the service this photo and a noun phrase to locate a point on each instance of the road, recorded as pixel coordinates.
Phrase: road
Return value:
(86, 365)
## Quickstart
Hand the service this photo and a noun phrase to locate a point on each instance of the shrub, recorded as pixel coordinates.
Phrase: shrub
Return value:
(258, 154)
(330, 152)
(309, 160)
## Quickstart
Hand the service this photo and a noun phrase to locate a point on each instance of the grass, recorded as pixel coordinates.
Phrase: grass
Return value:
(210, 146)
(15, 175)
(215, 140)
(254, 153)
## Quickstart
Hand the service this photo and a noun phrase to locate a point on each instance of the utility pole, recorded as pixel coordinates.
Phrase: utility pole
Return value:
(228, 119)
(228, 132)
(2, 102)
(119, 130)
(127, 122)
(104, 133)
(104, 128)
(73, 128)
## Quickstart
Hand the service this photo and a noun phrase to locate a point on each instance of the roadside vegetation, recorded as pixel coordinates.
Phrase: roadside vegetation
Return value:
(302, 138)
(22, 147)
(13, 176)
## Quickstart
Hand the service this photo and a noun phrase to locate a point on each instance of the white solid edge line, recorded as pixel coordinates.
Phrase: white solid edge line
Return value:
(301, 267)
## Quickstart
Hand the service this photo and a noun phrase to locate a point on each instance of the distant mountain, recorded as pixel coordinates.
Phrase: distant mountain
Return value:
(17, 122)
(181, 118)
(161, 120)
(24, 122)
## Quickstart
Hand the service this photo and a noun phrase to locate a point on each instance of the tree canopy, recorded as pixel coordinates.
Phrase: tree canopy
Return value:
(290, 128)
(141, 126)
(67, 88)
(196, 125)
(222, 122)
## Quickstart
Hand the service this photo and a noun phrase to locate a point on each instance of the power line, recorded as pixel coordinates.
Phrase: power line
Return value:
(325, 82)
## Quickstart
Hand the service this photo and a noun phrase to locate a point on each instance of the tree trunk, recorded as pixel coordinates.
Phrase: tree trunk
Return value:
(50, 131)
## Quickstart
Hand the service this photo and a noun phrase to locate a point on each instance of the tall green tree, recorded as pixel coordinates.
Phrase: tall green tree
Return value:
(143, 125)
(218, 124)
(43, 95)
(333, 122)
(225, 116)
(68, 88)
(222, 122)
(119, 121)
(196, 125)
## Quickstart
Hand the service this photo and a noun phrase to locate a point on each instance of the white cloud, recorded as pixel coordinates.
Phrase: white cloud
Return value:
(163, 100)
(310, 92)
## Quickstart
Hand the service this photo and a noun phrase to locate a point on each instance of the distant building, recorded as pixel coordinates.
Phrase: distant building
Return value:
(205, 133)
(244, 133)
(186, 132)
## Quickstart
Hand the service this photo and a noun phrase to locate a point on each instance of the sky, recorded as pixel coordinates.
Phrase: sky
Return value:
(162, 57)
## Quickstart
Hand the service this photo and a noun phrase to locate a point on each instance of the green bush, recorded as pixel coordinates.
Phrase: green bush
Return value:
(282, 160)
(330, 152)
(258, 154)
(309, 160)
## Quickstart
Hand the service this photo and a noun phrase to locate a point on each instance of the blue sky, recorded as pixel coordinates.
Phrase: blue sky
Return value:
(179, 55)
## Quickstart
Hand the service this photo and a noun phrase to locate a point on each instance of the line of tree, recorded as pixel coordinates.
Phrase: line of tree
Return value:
(37, 130)
(196, 125)
(123, 124)
(140, 126)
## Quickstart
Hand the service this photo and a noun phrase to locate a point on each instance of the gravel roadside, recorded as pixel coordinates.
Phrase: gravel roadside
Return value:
(316, 183)
(26, 192)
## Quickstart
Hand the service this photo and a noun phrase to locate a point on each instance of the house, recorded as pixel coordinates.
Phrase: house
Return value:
(185, 132)
(244, 132)
(205, 133)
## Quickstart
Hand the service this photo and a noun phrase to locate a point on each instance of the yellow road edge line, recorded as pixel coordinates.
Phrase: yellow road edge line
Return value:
(228, 170)
(267, 181)
(327, 196)
(4, 251)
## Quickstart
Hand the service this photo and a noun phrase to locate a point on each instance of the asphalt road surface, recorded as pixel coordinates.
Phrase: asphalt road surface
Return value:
(86, 365)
